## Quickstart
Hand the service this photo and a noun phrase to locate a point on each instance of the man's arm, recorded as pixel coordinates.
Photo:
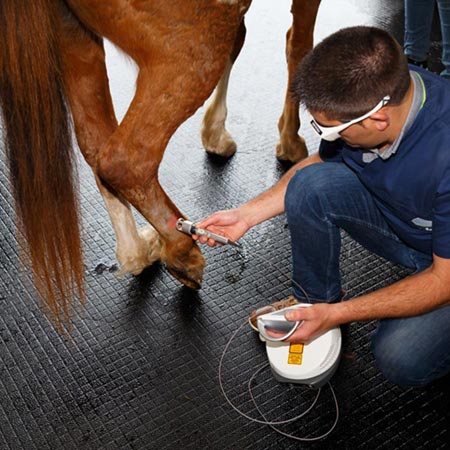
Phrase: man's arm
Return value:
(411, 296)
(271, 202)
(236, 222)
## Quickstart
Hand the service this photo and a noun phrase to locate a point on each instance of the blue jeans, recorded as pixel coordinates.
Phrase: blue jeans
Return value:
(322, 199)
(418, 21)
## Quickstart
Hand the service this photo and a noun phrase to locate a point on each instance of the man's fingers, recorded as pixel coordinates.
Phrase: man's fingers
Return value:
(300, 313)
(205, 240)
(274, 334)
(212, 242)
(208, 221)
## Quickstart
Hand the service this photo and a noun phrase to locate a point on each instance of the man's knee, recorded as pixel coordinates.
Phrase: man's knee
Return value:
(319, 189)
(306, 188)
(402, 367)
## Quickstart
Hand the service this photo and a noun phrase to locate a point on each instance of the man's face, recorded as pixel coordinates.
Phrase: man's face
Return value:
(361, 134)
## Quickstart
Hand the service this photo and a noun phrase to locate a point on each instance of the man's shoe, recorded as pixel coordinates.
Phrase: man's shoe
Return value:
(422, 64)
(276, 306)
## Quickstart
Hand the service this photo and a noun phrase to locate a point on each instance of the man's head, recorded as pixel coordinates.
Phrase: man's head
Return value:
(351, 73)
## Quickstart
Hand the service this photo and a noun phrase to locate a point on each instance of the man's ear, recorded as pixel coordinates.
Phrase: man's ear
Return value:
(380, 120)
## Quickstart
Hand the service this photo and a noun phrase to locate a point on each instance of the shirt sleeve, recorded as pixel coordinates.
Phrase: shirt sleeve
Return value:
(331, 151)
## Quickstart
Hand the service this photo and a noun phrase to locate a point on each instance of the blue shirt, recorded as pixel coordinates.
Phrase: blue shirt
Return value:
(412, 186)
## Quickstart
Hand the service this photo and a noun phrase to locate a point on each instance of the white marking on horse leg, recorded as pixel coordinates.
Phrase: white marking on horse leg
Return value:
(135, 249)
(215, 137)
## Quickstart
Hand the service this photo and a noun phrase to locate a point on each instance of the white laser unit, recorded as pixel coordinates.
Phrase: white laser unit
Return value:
(313, 363)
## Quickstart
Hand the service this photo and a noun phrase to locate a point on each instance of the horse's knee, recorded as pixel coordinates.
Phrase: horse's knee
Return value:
(123, 170)
(107, 168)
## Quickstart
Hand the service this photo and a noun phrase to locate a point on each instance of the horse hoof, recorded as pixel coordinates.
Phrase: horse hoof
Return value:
(292, 150)
(219, 143)
(192, 281)
(186, 266)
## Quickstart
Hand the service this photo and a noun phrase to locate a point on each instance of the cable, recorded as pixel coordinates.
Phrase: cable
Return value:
(265, 421)
(241, 253)
(291, 436)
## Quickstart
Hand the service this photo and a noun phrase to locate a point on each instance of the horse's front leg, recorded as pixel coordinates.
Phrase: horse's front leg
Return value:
(130, 160)
(299, 40)
(94, 119)
(216, 139)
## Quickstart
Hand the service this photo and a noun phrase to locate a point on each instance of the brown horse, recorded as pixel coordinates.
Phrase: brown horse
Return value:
(52, 52)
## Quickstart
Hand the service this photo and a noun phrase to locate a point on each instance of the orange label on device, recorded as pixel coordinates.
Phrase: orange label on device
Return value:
(296, 348)
(295, 358)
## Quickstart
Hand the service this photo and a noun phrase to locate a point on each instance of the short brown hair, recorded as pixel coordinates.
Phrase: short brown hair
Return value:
(350, 71)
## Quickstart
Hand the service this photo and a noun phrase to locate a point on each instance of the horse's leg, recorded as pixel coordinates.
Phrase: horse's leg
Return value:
(136, 249)
(130, 163)
(299, 40)
(94, 119)
(181, 49)
(216, 139)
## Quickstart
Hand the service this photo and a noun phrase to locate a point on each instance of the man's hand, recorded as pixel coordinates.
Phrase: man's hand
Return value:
(231, 224)
(317, 319)
(234, 223)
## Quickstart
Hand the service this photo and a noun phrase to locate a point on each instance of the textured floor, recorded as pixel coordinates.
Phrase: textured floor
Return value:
(141, 369)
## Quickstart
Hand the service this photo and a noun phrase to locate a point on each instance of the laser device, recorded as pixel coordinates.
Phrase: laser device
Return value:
(188, 227)
(312, 363)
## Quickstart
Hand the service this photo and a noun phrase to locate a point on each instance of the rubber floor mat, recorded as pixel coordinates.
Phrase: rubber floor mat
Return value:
(140, 371)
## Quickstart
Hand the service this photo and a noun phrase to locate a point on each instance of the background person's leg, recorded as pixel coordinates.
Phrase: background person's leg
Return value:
(444, 16)
(321, 199)
(418, 20)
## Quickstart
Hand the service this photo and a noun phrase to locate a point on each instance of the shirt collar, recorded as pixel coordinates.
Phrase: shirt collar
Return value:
(419, 96)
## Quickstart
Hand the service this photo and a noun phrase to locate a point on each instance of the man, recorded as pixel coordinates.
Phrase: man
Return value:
(382, 174)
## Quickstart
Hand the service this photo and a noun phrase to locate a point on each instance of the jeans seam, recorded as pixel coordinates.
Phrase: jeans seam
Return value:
(368, 225)
(416, 263)
(330, 259)
(331, 225)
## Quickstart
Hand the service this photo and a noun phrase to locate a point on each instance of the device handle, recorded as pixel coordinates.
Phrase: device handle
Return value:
(279, 316)
(262, 330)
(188, 227)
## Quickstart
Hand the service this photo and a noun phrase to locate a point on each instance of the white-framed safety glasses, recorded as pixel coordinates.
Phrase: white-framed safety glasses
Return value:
(333, 133)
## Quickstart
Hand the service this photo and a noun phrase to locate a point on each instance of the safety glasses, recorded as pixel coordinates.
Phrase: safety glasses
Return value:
(333, 133)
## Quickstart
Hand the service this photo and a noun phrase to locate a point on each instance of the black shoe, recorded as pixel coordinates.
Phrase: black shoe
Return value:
(423, 64)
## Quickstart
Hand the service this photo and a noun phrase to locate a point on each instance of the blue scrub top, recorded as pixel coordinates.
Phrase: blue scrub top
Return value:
(412, 186)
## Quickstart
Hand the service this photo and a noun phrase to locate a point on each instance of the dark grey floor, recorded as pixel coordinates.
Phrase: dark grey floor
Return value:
(141, 370)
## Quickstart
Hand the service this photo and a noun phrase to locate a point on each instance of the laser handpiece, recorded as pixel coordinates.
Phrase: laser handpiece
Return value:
(188, 227)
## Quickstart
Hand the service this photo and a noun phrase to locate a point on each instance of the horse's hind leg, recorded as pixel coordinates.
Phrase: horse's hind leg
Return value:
(130, 163)
(216, 139)
(299, 41)
(94, 119)
(180, 61)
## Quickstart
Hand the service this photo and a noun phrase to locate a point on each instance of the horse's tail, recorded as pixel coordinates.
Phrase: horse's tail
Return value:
(37, 129)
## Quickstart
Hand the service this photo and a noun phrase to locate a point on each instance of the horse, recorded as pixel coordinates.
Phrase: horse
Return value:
(53, 81)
